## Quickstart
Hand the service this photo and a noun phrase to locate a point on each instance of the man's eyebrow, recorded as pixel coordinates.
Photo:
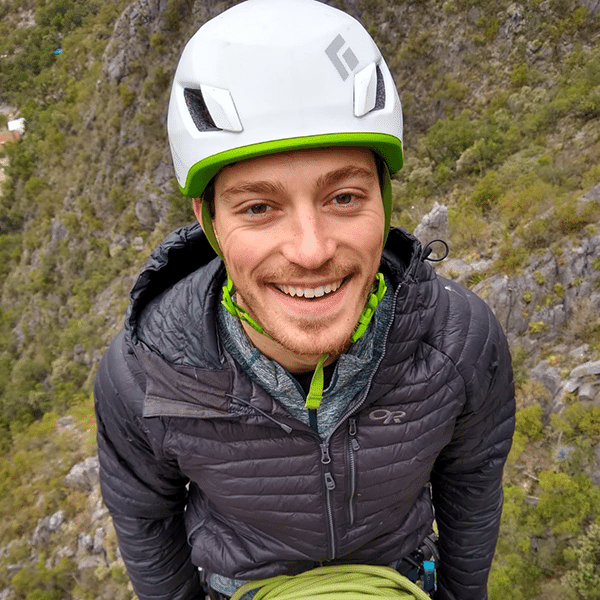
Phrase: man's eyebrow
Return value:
(253, 187)
(273, 188)
(340, 175)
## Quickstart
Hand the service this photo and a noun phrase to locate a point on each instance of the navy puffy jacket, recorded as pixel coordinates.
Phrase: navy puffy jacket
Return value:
(201, 467)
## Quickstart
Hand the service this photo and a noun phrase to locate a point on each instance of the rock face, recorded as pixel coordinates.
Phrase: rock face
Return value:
(549, 305)
(592, 5)
(88, 541)
(84, 475)
(120, 53)
(47, 526)
(434, 225)
(555, 288)
(552, 290)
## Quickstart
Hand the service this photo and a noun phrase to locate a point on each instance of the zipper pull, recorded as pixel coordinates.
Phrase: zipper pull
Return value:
(353, 429)
(325, 458)
(329, 481)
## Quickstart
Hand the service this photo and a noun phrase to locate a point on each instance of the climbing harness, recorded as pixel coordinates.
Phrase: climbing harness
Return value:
(336, 582)
(420, 565)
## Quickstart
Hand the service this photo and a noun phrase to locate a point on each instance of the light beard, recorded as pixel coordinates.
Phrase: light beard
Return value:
(302, 336)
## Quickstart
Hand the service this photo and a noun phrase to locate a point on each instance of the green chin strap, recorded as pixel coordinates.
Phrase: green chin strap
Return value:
(315, 392)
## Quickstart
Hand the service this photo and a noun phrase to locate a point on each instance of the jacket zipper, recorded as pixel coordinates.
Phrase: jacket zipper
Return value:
(329, 487)
(353, 446)
(328, 479)
(326, 458)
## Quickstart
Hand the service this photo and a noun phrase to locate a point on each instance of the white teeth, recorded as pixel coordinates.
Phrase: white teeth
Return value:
(310, 292)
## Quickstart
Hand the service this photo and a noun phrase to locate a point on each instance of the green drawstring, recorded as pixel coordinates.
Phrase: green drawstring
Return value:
(315, 391)
(336, 582)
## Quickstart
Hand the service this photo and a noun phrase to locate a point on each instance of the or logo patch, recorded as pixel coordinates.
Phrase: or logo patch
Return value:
(344, 61)
(387, 416)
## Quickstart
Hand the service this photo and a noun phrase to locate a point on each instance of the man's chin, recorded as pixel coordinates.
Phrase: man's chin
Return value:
(311, 345)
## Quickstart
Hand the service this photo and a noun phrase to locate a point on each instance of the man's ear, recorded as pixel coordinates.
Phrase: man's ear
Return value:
(198, 209)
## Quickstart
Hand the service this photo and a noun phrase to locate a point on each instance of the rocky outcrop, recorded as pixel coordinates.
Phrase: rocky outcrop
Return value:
(434, 225)
(88, 539)
(551, 299)
(592, 5)
(84, 475)
(546, 310)
(553, 289)
(120, 54)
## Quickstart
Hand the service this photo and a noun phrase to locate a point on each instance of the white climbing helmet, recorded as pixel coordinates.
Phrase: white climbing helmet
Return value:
(268, 76)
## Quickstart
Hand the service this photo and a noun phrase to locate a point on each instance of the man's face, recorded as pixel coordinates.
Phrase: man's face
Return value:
(301, 233)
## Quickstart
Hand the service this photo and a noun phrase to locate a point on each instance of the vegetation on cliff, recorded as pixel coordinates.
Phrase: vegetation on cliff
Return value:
(502, 114)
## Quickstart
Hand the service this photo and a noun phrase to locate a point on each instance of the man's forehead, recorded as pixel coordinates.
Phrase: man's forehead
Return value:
(322, 167)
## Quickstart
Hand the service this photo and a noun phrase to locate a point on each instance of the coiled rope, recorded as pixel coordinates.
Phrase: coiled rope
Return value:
(336, 582)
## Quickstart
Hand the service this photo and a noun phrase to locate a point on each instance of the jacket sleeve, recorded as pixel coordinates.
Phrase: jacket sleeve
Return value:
(144, 490)
(467, 478)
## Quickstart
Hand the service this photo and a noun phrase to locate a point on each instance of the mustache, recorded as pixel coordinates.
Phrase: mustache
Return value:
(295, 272)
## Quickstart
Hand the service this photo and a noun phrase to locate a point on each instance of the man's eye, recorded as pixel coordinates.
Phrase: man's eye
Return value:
(258, 209)
(345, 198)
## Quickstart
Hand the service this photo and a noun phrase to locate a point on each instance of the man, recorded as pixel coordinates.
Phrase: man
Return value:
(294, 385)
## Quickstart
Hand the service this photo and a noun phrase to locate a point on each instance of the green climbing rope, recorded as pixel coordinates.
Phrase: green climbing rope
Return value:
(336, 582)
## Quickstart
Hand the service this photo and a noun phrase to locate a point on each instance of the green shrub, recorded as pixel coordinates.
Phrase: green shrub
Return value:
(584, 419)
(528, 197)
(529, 422)
(127, 95)
(585, 578)
(487, 191)
(568, 221)
(42, 583)
(539, 277)
(519, 75)
(469, 231)
(536, 234)
(448, 139)
(176, 10)
(537, 327)
(511, 259)
(566, 502)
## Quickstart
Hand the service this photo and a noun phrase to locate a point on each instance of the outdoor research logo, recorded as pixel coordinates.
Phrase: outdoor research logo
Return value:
(387, 416)
(345, 62)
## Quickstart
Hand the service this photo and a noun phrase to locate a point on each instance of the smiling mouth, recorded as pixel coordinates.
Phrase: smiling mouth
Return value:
(311, 293)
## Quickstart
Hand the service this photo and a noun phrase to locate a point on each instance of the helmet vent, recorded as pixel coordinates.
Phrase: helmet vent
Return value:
(380, 92)
(369, 90)
(198, 110)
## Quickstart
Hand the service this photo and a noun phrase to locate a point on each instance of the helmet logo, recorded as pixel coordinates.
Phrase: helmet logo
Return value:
(345, 62)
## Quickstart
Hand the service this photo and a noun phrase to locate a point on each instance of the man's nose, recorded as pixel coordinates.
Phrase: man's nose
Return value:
(310, 240)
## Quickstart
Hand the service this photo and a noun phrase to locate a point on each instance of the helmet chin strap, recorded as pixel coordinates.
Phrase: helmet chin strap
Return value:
(315, 392)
